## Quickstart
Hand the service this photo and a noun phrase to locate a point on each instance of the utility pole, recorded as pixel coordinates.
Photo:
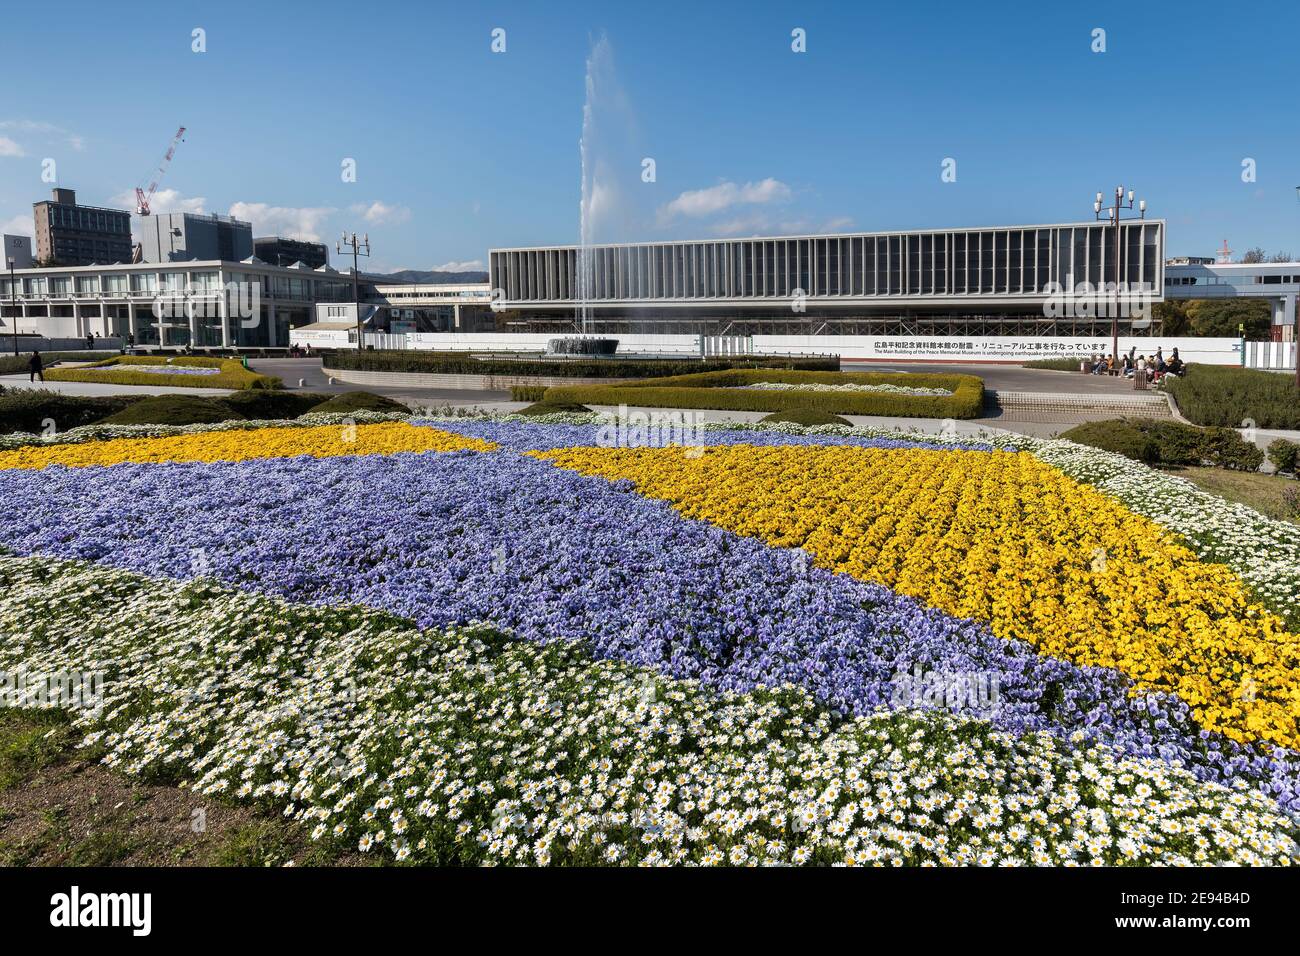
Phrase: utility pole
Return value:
(13, 302)
(1114, 217)
(358, 247)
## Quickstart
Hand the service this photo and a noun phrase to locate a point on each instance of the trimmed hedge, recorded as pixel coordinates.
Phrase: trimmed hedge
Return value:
(552, 408)
(231, 374)
(806, 416)
(1224, 395)
(464, 363)
(527, 393)
(27, 409)
(723, 390)
(16, 364)
(1160, 442)
(171, 410)
(1056, 364)
(360, 402)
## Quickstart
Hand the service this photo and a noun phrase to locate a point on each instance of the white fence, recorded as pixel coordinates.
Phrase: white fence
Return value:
(862, 348)
(1271, 356)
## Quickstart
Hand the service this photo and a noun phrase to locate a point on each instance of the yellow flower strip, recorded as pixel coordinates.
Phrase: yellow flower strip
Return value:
(1003, 538)
(321, 441)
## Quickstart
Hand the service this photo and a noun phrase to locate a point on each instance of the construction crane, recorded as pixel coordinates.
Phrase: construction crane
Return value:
(144, 196)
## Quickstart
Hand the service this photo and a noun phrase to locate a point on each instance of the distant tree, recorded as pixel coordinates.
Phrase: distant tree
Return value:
(1172, 317)
(1254, 255)
(1223, 317)
(1281, 257)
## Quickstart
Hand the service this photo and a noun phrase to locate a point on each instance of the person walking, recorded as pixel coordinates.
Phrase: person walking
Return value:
(36, 368)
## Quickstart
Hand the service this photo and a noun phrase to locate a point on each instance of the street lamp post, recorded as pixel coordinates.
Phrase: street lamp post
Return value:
(1113, 215)
(355, 246)
(13, 303)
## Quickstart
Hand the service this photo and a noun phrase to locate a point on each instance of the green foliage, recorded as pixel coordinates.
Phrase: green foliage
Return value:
(31, 739)
(1224, 317)
(464, 363)
(1226, 395)
(360, 402)
(1116, 436)
(1056, 364)
(1283, 454)
(232, 374)
(171, 410)
(1163, 442)
(267, 404)
(527, 393)
(724, 390)
(18, 364)
(27, 409)
(806, 416)
(552, 408)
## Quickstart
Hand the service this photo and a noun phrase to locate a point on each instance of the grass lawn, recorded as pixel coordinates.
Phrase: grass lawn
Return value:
(1261, 492)
(60, 807)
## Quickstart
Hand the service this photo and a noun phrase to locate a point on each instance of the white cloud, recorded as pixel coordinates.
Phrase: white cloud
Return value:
(9, 148)
(469, 265)
(379, 213)
(695, 203)
(164, 200)
(42, 128)
(19, 225)
(289, 221)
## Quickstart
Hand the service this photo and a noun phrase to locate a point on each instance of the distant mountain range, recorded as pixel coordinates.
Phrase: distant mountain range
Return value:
(420, 276)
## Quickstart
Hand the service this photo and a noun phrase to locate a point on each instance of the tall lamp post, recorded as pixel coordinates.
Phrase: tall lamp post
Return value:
(1113, 214)
(13, 303)
(358, 247)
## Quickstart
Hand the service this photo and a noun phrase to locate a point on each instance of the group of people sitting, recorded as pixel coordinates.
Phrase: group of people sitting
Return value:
(1152, 367)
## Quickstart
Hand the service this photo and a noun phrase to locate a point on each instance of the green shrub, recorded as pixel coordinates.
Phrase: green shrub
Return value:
(28, 409)
(1226, 448)
(16, 364)
(1224, 395)
(552, 408)
(1117, 436)
(464, 363)
(1159, 441)
(231, 375)
(527, 393)
(172, 410)
(1283, 454)
(724, 390)
(806, 416)
(359, 402)
(266, 404)
(1056, 364)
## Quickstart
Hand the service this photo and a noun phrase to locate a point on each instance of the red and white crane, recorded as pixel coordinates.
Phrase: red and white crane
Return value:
(144, 196)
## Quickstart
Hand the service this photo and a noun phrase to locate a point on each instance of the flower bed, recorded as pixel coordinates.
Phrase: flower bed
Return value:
(144, 370)
(784, 581)
(391, 740)
(944, 396)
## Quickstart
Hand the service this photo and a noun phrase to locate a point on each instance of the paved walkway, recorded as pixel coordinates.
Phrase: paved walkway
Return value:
(19, 382)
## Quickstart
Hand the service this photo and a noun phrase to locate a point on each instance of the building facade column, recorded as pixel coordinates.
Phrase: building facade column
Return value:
(271, 339)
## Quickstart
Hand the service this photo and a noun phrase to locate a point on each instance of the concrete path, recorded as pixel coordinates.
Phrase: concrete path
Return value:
(19, 382)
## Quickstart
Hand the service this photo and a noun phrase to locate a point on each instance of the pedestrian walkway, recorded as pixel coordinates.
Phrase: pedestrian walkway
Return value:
(20, 381)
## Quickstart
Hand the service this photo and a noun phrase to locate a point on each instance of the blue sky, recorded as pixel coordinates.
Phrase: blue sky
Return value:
(458, 148)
